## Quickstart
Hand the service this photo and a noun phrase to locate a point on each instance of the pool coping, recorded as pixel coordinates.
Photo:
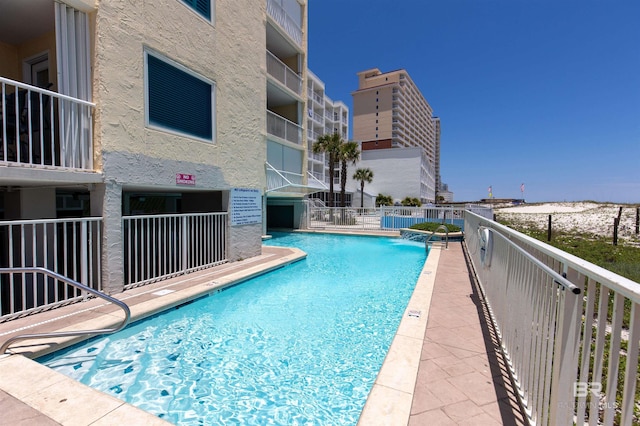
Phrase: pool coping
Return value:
(67, 401)
(390, 398)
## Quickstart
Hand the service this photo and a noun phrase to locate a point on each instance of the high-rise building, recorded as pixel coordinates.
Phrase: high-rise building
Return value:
(324, 117)
(389, 112)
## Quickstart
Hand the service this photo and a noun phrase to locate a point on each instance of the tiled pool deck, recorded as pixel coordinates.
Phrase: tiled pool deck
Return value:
(443, 367)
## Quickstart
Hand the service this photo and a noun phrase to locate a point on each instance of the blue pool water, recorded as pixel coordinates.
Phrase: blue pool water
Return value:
(299, 345)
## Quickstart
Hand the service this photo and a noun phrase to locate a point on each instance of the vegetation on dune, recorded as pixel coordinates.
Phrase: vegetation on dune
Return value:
(621, 259)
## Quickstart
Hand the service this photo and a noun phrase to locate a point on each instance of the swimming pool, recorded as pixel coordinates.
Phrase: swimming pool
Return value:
(300, 344)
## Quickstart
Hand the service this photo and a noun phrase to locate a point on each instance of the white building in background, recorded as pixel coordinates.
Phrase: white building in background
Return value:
(397, 172)
(324, 117)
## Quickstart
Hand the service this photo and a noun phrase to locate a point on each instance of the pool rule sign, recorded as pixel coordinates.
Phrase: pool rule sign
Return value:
(246, 206)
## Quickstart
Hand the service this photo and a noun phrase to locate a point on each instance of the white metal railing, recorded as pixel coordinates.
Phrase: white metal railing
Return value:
(161, 246)
(69, 247)
(312, 135)
(396, 217)
(43, 275)
(277, 12)
(318, 98)
(383, 218)
(481, 210)
(569, 329)
(285, 75)
(315, 116)
(330, 116)
(44, 128)
(345, 218)
(284, 129)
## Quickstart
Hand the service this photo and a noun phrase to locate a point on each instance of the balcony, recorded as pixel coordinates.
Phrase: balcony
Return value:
(318, 98)
(288, 23)
(316, 117)
(42, 128)
(282, 128)
(285, 75)
(313, 136)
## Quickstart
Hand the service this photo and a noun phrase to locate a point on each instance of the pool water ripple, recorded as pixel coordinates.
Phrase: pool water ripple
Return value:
(300, 345)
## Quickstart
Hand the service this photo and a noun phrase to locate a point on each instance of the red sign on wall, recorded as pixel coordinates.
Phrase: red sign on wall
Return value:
(185, 179)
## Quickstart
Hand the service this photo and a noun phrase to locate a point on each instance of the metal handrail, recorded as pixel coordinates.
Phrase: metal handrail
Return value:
(558, 279)
(446, 237)
(69, 281)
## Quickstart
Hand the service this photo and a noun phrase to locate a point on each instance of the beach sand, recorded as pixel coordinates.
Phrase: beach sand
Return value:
(575, 217)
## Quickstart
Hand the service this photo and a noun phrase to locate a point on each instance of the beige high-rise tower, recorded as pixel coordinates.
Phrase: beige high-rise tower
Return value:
(390, 112)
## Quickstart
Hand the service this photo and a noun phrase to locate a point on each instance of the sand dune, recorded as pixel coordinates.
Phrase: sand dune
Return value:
(578, 217)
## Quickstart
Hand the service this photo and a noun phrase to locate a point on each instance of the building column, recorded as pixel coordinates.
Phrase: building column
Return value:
(106, 202)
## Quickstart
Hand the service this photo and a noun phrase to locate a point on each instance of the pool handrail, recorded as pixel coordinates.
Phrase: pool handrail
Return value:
(69, 281)
(446, 236)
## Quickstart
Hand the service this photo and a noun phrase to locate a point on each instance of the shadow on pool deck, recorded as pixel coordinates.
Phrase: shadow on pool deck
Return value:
(461, 377)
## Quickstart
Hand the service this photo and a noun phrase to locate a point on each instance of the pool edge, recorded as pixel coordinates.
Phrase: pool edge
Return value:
(391, 396)
(56, 397)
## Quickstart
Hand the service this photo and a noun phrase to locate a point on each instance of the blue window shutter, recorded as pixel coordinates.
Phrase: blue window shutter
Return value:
(203, 7)
(179, 100)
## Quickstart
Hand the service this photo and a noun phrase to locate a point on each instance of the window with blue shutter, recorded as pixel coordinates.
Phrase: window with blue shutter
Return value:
(178, 100)
(203, 7)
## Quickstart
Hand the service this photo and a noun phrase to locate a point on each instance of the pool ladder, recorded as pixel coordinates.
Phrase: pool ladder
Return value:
(446, 237)
(69, 281)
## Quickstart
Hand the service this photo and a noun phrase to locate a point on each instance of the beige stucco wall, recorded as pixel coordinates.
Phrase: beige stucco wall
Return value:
(12, 57)
(9, 65)
(230, 52)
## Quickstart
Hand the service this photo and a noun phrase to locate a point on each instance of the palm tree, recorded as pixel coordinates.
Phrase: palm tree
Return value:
(349, 153)
(329, 144)
(363, 175)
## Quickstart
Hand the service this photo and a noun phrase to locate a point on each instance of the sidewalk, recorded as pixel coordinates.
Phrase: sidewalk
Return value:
(462, 377)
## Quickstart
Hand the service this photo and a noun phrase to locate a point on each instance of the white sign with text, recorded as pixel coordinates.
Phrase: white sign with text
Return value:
(246, 206)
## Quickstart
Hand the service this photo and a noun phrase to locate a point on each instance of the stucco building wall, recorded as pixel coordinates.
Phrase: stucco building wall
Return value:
(230, 52)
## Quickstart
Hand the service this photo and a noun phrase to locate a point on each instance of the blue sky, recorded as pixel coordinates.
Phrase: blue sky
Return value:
(540, 92)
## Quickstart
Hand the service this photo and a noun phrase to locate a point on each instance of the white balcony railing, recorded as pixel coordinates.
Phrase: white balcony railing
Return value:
(318, 98)
(279, 14)
(313, 136)
(283, 128)
(69, 247)
(285, 75)
(161, 246)
(43, 128)
(316, 117)
(569, 329)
